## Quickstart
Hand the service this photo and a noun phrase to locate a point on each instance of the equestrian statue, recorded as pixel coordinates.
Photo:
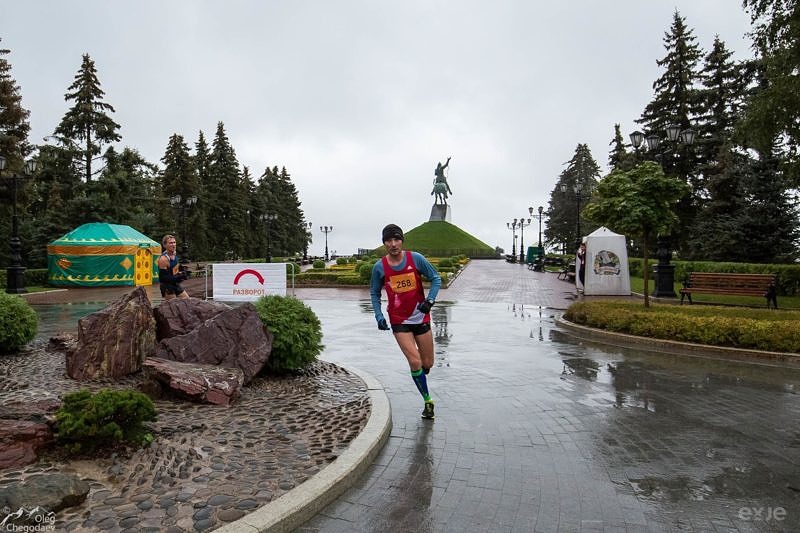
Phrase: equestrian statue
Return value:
(440, 187)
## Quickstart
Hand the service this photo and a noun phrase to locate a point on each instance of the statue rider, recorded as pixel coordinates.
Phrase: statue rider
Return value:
(440, 186)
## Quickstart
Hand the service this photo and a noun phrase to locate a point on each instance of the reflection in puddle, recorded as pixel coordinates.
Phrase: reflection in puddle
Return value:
(581, 367)
(440, 317)
(57, 318)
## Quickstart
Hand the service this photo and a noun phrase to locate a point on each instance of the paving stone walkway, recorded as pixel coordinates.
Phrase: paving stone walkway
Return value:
(536, 430)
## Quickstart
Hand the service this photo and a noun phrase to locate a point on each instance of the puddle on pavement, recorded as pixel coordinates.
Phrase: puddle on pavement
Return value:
(57, 318)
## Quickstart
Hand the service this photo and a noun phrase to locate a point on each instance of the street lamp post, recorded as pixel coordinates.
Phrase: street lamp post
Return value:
(15, 274)
(664, 279)
(326, 230)
(307, 229)
(183, 205)
(269, 219)
(578, 197)
(513, 227)
(539, 216)
(522, 225)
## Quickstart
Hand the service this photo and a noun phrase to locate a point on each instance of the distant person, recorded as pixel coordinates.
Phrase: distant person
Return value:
(169, 274)
(580, 263)
(398, 272)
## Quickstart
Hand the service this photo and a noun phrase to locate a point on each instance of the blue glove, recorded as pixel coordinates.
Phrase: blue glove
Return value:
(425, 307)
(382, 325)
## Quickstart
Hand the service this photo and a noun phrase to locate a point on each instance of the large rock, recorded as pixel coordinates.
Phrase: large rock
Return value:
(52, 491)
(39, 410)
(199, 383)
(235, 338)
(114, 341)
(20, 442)
(179, 316)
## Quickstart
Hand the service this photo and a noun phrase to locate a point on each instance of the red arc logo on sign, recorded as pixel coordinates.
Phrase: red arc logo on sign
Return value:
(248, 271)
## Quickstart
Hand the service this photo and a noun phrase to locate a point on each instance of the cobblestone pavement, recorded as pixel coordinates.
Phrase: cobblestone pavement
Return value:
(538, 431)
(209, 465)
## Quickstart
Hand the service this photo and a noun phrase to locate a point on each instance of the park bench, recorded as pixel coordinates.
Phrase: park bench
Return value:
(731, 284)
(567, 273)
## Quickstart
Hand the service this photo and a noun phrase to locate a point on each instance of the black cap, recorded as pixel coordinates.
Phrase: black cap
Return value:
(392, 231)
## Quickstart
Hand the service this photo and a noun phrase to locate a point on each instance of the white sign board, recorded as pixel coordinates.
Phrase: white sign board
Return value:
(244, 282)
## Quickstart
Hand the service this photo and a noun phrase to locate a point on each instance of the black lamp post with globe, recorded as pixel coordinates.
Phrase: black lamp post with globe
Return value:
(184, 204)
(15, 273)
(664, 278)
(326, 230)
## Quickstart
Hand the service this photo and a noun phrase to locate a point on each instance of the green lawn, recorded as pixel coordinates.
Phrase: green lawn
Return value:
(784, 302)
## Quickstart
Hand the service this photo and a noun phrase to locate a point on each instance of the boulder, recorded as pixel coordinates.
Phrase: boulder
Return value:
(235, 338)
(196, 382)
(180, 316)
(20, 442)
(114, 341)
(63, 341)
(39, 410)
(51, 491)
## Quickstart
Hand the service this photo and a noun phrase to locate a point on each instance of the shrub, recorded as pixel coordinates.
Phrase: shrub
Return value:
(319, 263)
(87, 421)
(759, 329)
(349, 279)
(365, 272)
(341, 260)
(18, 323)
(296, 329)
(446, 263)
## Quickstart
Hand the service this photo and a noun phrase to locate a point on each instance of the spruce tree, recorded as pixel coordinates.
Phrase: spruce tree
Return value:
(88, 122)
(619, 158)
(562, 211)
(773, 111)
(14, 126)
(719, 164)
(676, 102)
(179, 178)
(227, 200)
(14, 129)
(676, 99)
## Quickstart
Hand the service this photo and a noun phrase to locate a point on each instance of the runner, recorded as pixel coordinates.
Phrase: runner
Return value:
(408, 308)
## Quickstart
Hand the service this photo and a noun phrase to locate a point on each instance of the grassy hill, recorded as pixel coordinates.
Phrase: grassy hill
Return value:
(443, 239)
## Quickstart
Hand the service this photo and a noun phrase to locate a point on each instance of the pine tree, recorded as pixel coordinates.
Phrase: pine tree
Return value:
(14, 147)
(13, 118)
(676, 97)
(227, 200)
(87, 121)
(562, 211)
(619, 158)
(719, 165)
(179, 178)
(773, 111)
(676, 102)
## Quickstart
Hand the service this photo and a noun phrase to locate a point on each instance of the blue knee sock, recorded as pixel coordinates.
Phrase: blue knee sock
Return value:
(422, 383)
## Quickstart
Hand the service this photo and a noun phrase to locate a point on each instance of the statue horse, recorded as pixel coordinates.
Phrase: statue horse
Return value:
(440, 190)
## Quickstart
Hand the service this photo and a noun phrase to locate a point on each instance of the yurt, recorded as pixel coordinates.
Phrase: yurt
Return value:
(102, 255)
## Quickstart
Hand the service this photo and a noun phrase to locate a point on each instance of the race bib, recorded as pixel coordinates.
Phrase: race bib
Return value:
(403, 282)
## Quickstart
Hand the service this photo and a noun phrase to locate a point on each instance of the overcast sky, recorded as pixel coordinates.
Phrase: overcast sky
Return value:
(359, 100)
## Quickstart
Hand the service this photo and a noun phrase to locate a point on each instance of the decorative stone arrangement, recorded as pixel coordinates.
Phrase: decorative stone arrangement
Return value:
(208, 464)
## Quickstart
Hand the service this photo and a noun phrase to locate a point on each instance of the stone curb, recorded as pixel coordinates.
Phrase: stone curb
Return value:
(294, 508)
(684, 348)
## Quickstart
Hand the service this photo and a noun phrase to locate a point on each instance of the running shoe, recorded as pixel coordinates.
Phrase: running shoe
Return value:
(427, 413)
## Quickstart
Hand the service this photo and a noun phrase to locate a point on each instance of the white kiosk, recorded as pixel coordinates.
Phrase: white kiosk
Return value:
(606, 264)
